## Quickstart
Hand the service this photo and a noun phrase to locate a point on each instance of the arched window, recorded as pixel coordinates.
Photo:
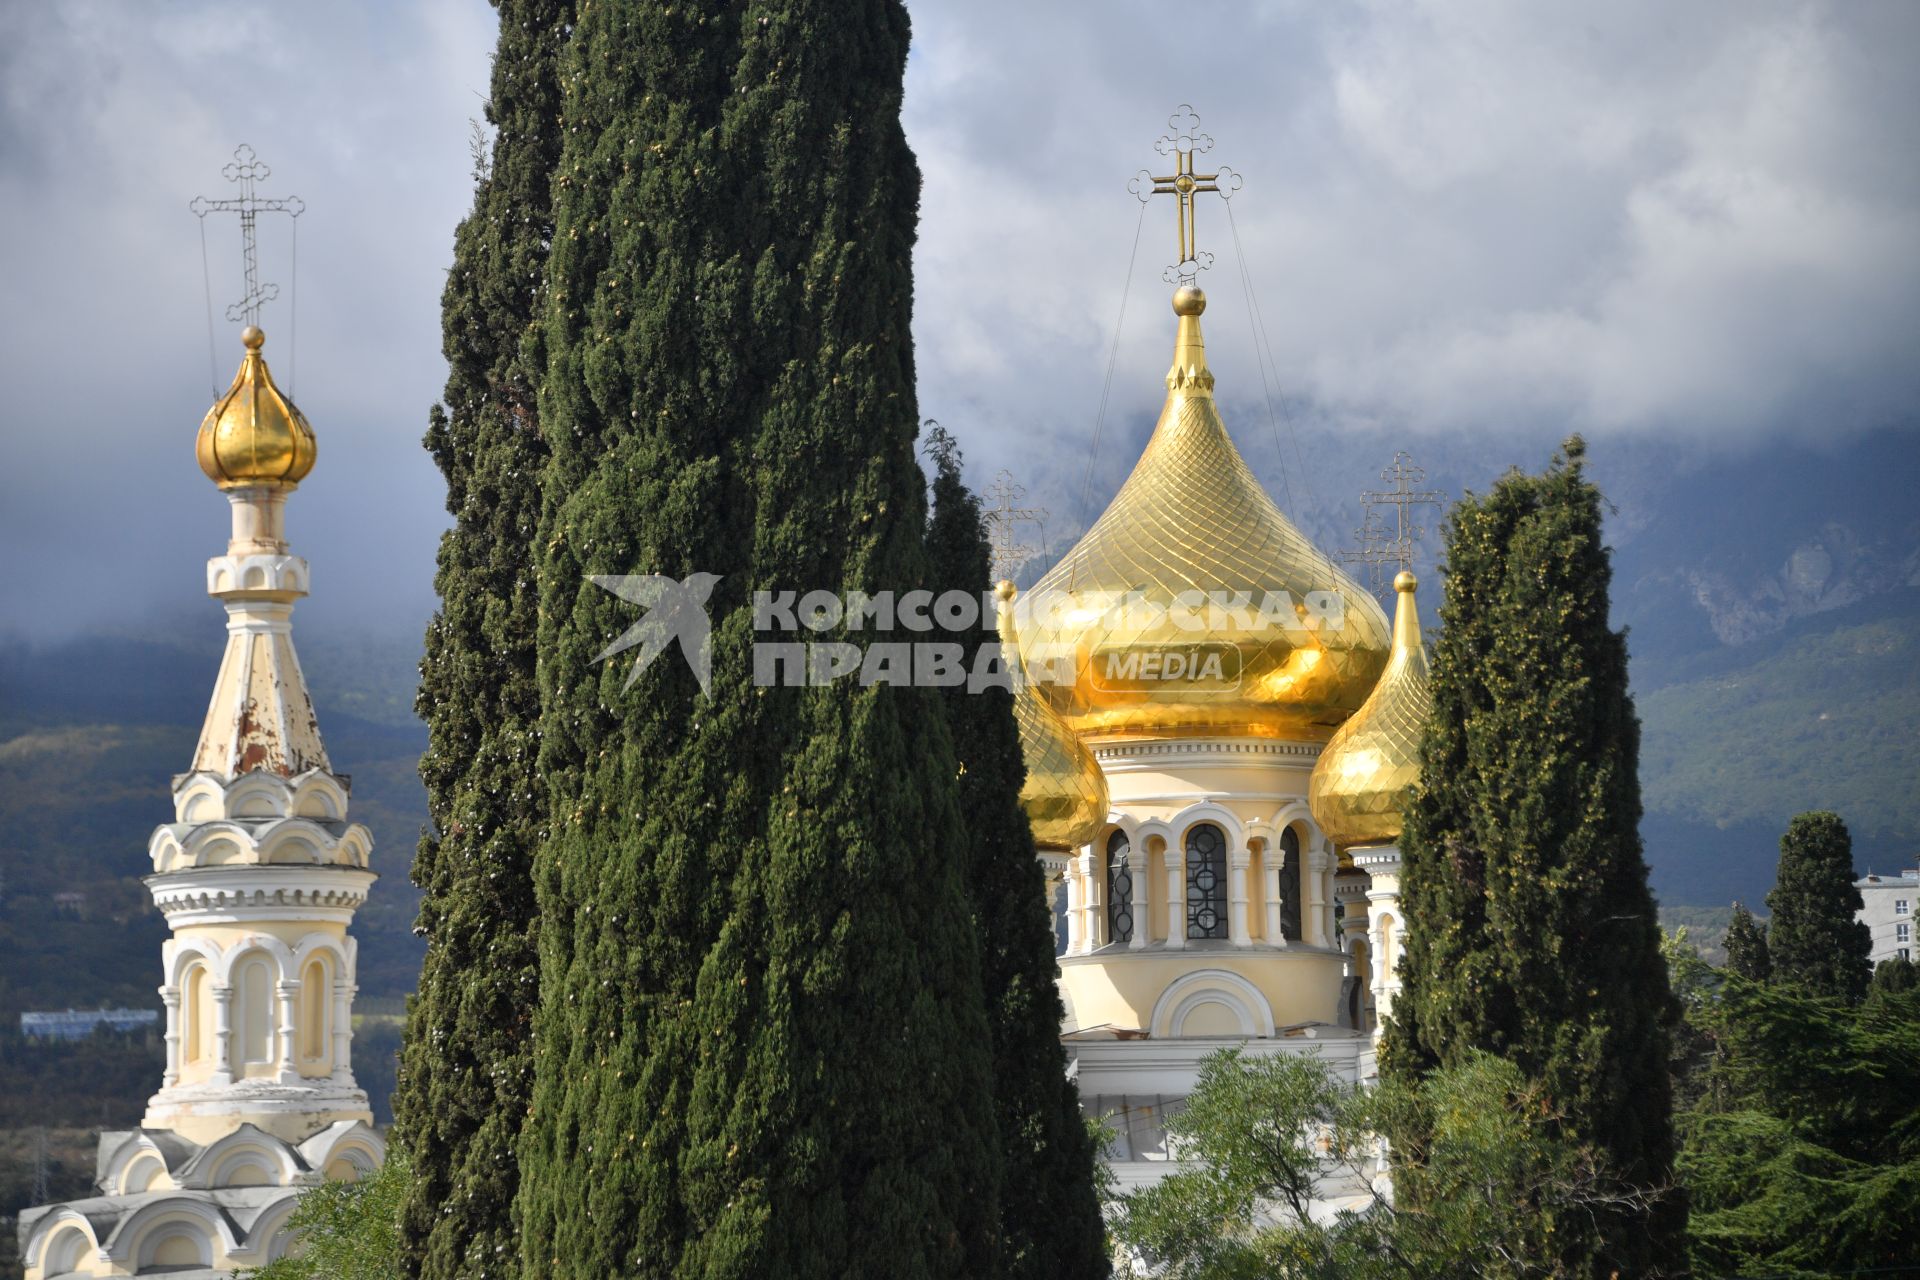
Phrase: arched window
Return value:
(315, 992)
(1290, 883)
(256, 1011)
(1119, 888)
(1206, 881)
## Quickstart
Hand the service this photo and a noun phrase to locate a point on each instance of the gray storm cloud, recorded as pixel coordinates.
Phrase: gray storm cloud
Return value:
(1692, 223)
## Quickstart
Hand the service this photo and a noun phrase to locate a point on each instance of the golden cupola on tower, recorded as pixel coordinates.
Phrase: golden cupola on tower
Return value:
(254, 435)
(1193, 605)
(1065, 794)
(1372, 759)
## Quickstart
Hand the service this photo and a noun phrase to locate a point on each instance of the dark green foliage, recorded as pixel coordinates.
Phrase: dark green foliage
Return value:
(466, 1073)
(1803, 1156)
(1747, 953)
(1531, 933)
(1486, 1195)
(762, 1047)
(348, 1230)
(1814, 939)
(1050, 1218)
(1895, 976)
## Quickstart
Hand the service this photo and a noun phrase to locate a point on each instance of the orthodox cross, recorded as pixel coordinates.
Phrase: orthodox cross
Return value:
(1378, 548)
(246, 169)
(1009, 553)
(1182, 142)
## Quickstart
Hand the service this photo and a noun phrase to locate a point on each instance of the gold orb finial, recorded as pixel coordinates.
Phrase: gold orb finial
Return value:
(1189, 300)
(1004, 591)
(254, 435)
(1405, 581)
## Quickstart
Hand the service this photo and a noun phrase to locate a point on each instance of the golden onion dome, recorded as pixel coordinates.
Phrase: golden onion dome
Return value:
(1193, 605)
(1065, 794)
(254, 435)
(1372, 759)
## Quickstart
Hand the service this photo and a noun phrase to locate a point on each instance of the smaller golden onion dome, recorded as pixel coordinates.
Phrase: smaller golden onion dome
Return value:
(1371, 760)
(1065, 795)
(254, 435)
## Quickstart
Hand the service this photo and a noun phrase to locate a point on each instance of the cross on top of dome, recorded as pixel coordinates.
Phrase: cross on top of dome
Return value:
(1181, 143)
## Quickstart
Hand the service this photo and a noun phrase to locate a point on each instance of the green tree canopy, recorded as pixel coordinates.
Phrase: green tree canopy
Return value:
(1050, 1218)
(761, 1047)
(467, 1066)
(1814, 939)
(1531, 932)
(1747, 953)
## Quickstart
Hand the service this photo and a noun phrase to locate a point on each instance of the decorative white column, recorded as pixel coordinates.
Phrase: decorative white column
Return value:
(1317, 918)
(1074, 941)
(222, 1033)
(170, 996)
(1093, 932)
(1140, 862)
(1239, 864)
(1270, 872)
(343, 993)
(1385, 928)
(289, 1065)
(1176, 899)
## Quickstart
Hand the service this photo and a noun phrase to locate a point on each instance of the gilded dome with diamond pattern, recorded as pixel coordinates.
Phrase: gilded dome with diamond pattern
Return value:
(1193, 606)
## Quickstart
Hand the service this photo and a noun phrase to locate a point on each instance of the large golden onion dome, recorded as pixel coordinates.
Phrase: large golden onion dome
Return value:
(254, 435)
(1193, 605)
(1372, 759)
(1065, 794)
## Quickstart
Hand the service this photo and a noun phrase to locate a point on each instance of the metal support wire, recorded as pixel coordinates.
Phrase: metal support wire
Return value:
(1106, 389)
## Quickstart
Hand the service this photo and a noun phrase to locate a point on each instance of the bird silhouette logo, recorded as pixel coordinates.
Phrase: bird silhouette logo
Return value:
(675, 611)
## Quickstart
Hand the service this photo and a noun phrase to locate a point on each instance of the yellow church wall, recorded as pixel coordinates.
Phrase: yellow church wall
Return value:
(1120, 989)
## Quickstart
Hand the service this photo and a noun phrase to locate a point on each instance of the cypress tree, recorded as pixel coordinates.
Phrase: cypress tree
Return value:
(1747, 953)
(1815, 939)
(1892, 977)
(761, 1045)
(1050, 1224)
(1531, 931)
(466, 1068)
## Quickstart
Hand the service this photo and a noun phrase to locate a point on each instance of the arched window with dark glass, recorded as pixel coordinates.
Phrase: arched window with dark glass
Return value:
(1119, 888)
(1290, 884)
(1206, 881)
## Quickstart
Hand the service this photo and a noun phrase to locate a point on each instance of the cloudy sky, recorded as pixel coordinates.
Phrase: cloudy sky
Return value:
(1474, 220)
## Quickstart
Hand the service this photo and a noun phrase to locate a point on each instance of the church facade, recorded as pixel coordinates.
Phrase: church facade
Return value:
(1219, 727)
(258, 874)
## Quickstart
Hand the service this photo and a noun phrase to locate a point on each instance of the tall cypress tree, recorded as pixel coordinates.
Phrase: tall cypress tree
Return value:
(1050, 1216)
(1815, 940)
(762, 1046)
(466, 1069)
(1747, 953)
(1531, 932)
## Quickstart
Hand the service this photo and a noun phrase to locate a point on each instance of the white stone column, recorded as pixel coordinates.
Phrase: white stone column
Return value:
(1092, 930)
(1317, 913)
(222, 1033)
(1140, 863)
(170, 996)
(1384, 941)
(343, 993)
(1176, 898)
(289, 1065)
(1239, 865)
(1074, 941)
(1270, 869)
